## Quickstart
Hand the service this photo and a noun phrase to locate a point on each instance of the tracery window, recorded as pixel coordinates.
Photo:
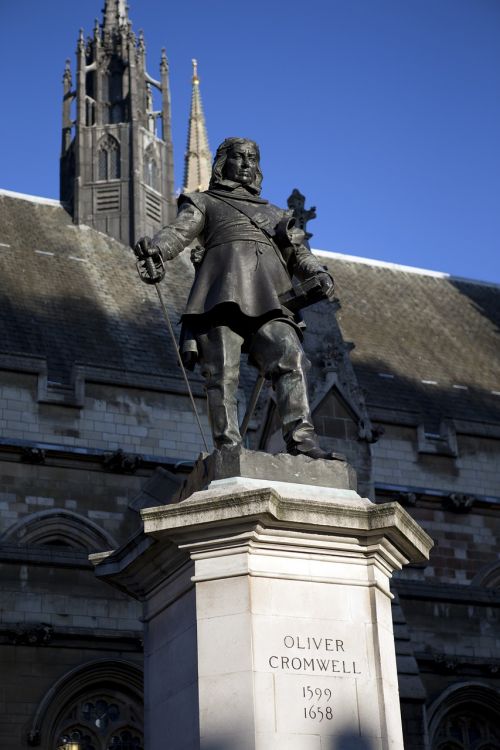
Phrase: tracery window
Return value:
(103, 722)
(95, 706)
(469, 727)
(77, 739)
(108, 159)
(125, 741)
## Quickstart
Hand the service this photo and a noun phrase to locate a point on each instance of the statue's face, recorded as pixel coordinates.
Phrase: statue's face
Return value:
(241, 164)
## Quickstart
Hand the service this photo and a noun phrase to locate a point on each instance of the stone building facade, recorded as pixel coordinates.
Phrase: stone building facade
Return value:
(95, 425)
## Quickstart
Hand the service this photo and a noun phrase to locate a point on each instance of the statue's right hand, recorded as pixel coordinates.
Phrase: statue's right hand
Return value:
(144, 248)
(149, 261)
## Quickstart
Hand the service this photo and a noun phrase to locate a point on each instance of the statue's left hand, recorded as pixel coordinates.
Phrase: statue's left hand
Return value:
(327, 285)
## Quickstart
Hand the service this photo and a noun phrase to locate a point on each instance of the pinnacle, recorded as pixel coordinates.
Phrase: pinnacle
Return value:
(198, 159)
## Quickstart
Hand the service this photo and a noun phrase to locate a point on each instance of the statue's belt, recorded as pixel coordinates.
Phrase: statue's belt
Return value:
(228, 237)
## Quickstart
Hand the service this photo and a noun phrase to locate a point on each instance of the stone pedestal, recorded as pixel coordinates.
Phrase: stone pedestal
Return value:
(268, 615)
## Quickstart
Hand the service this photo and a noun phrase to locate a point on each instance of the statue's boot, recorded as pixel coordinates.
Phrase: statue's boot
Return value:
(219, 351)
(277, 351)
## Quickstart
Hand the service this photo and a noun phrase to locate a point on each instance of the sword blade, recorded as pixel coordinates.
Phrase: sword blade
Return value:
(252, 404)
(181, 364)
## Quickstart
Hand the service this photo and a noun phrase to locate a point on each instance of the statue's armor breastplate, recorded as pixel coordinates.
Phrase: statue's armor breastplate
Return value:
(241, 263)
(225, 224)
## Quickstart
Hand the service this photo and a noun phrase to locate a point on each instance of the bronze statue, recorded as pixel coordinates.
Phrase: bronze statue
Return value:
(242, 295)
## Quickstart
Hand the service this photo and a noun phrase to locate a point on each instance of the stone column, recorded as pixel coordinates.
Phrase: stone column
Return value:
(268, 612)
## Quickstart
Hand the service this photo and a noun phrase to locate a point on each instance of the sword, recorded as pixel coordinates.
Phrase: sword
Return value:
(152, 270)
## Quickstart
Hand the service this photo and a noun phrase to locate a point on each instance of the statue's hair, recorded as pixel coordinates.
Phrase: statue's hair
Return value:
(220, 161)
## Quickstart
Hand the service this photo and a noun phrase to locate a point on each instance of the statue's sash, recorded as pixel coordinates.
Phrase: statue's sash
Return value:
(265, 221)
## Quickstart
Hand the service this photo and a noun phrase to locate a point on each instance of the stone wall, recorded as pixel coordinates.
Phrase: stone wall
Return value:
(397, 460)
(466, 544)
(111, 417)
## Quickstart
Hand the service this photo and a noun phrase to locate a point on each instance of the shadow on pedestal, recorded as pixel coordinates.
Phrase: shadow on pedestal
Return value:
(350, 740)
(347, 740)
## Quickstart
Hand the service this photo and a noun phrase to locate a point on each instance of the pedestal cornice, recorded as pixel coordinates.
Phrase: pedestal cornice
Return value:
(235, 504)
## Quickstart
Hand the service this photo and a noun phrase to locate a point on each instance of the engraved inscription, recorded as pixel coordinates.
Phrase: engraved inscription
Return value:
(313, 662)
(318, 707)
(317, 666)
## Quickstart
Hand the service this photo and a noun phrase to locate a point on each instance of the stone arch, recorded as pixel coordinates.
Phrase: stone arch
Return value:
(59, 527)
(108, 158)
(68, 707)
(488, 577)
(473, 706)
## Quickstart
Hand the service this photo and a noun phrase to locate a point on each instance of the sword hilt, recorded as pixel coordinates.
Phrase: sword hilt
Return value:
(151, 269)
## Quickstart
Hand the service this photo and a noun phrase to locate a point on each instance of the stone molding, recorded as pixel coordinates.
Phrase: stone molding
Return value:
(422, 496)
(475, 593)
(79, 531)
(43, 555)
(442, 663)
(55, 454)
(340, 510)
(31, 634)
(229, 514)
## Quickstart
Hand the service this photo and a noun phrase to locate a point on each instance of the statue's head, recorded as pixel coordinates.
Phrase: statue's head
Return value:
(237, 159)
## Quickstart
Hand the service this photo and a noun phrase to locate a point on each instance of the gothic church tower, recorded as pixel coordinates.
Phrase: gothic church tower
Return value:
(116, 169)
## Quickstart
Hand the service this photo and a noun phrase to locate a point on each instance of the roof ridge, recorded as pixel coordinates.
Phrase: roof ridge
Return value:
(401, 267)
(32, 198)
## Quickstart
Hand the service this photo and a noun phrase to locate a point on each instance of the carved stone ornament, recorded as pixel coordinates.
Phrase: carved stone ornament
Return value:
(31, 455)
(121, 462)
(459, 503)
(33, 634)
(408, 499)
(297, 202)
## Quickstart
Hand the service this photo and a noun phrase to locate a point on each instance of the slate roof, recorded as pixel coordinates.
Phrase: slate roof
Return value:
(425, 343)
(72, 294)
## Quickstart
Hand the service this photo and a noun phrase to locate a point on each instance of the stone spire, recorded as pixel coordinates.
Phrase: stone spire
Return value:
(115, 14)
(198, 159)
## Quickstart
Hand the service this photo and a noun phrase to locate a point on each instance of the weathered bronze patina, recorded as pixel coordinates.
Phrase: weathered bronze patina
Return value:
(242, 294)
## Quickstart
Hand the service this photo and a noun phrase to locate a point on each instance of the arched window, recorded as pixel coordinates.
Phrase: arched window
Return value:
(108, 159)
(59, 527)
(467, 729)
(96, 707)
(151, 174)
(104, 722)
(466, 717)
(488, 577)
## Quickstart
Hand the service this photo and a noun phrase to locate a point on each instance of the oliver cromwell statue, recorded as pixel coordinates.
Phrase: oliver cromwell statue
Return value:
(249, 253)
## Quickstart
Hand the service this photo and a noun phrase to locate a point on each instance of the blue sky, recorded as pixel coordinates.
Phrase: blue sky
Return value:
(385, 113)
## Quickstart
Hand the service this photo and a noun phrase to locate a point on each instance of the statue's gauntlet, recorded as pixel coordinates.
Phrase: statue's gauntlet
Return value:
(168, 243)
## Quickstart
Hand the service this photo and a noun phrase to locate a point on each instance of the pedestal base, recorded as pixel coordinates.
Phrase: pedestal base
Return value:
(268, 617)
